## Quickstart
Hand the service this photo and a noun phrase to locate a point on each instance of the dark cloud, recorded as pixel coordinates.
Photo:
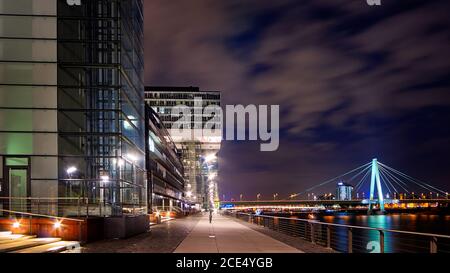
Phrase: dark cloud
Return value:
(352, 81)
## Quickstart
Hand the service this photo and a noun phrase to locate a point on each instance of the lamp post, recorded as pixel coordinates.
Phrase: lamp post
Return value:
(275, 196)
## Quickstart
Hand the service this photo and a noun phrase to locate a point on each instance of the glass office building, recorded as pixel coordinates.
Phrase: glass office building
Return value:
(165, 169)
(199, 151)
(72, 106)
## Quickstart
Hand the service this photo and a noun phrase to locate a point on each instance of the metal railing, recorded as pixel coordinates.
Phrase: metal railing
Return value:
(352, 239)
(68, 206)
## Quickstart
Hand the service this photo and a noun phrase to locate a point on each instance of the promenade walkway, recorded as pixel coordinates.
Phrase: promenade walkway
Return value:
(227, 236)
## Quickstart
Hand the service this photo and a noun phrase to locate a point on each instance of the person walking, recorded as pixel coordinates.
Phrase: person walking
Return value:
(210, 216)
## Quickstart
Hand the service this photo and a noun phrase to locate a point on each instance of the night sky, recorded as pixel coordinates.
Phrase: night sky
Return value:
(353, 82)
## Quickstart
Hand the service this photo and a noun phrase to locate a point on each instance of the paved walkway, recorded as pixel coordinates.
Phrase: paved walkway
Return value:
(163, 238)
(227, 236)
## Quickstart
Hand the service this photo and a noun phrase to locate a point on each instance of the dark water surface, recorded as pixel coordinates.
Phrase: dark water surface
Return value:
(394, 242)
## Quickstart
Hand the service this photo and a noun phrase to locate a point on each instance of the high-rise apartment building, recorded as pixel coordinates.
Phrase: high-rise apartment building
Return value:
(199, 150)
(72, 106)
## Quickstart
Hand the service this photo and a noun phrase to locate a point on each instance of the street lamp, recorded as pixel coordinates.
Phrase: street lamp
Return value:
(275, 196)
(132, 157)
(71, 170)
(210, 158)
(104, 178)
(258, 196)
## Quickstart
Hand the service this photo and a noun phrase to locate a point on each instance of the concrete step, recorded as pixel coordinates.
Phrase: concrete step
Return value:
(55, 247)
(22, 244)
(6, 239)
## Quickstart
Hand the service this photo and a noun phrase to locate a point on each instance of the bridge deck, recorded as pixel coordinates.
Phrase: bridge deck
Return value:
(227, 236)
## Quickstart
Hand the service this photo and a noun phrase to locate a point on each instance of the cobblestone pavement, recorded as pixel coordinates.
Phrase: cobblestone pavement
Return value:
(163, 238)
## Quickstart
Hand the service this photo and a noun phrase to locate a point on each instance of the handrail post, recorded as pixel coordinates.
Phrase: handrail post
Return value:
(312, 232)
(381, 241)
(80, 237)
(328, 236)
(31, 226)
(433, 244)
(79, 206)
(350, 240)
(87, 207)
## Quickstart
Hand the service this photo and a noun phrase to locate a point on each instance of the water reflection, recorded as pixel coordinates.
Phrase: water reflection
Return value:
(393, 242)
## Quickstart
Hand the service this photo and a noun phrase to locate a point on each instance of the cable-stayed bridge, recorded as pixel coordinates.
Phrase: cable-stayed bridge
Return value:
(371, 186)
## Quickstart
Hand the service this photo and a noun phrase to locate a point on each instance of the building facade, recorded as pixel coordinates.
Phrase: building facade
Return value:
(344, 191)
(72, 105)
(199, 150)
(164, 168)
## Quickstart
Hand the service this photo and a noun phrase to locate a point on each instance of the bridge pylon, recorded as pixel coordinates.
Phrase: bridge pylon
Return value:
(375, 179)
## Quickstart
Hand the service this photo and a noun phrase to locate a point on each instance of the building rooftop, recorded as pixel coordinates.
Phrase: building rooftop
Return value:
(177, 89)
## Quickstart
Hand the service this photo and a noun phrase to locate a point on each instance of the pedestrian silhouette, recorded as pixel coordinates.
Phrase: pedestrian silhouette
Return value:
(210, 216)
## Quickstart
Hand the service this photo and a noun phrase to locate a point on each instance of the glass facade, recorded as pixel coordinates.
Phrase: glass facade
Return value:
(199, 155)
(164, 166)
(72, 101)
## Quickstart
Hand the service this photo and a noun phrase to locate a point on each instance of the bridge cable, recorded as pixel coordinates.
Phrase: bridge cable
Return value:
(393, 175)
(394, 179)
(416, 181)
(356, 175)
(362, 180)
(386, 182)
(333, 179)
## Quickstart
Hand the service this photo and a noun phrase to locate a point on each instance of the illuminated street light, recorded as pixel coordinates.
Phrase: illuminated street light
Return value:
(57, 225)
(132, 157)
(104, 178)
(210, 158)
(16, 225)
(71, 170)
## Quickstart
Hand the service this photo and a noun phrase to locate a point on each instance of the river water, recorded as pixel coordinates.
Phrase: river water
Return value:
(437, 224)
(366, 241)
